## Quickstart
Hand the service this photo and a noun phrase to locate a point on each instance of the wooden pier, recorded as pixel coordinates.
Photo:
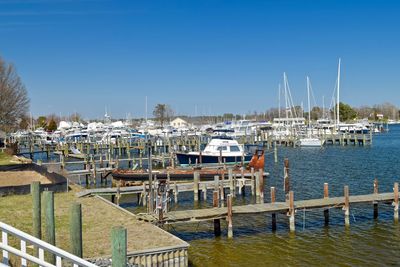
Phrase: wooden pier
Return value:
(289, 207)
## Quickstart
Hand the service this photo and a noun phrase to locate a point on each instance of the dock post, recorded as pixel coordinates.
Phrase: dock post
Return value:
(257, 174)
(176, 192)
(222, 188)
(346, 206)
(231, 184)
(204, 192)
(375, 202)
(229, 217)
(119, 246)
(75, 230)
(252, 181)
(118, 194)
(291, 212)
(396, 202)
(217, 222)
(326, 211)
(37, 219)
(48, 197)
(261, 177)
(216, 182)
(196, 176)
(275, 152)
(273, 215)
(286, 178)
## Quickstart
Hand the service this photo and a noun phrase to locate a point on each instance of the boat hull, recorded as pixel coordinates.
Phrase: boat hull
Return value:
(186, 159)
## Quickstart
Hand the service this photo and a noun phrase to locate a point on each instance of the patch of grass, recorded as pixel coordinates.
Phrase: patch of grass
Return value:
(98, 218)
(5, 158)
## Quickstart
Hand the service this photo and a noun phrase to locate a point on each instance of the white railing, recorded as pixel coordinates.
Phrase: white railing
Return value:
(42, 246)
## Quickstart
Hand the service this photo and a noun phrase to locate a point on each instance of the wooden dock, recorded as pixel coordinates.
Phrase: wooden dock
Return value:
(278, 207)
(289, 207)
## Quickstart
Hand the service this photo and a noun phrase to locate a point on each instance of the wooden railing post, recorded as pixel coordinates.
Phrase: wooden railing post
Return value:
(48, 197)
(75, 232)
(37, 207)
(119, 246)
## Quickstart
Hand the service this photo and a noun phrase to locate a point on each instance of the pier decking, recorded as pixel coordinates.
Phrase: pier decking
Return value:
(221, 212)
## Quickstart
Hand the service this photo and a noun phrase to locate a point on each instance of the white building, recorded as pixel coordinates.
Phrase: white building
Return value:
(179, 123)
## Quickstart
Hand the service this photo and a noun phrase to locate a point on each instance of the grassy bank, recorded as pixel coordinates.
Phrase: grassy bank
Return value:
(98, 218)
(5, 158)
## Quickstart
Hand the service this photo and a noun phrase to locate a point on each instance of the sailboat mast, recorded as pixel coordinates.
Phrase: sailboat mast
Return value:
(286, 100)
(308, 99)
(338, 94)
(279, 102)
(146, 110)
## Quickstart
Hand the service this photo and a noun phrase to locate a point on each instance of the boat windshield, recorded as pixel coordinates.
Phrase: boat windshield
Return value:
(235, 149)
(222, 148)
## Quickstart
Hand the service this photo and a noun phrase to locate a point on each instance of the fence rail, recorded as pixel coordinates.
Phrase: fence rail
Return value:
(61, 255)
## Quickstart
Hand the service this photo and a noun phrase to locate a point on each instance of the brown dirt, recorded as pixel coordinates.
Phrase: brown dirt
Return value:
(15, 178)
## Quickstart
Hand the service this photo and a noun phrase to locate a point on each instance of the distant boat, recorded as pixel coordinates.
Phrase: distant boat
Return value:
(310, 141)
(219, 150)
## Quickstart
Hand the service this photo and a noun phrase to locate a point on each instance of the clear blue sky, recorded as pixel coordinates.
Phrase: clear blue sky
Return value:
(218, 56)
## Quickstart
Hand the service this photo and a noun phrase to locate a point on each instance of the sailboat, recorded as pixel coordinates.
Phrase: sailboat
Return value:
(310, 141)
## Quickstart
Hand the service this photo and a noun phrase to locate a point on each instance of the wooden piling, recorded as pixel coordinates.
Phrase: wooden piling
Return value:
(231, 183)
(275, 153)
(257, 186)
(36, 218)
(119, 246)
(286, 178)
(326, 211)
(196, 176)
(229, 216)
(204, 192)
(375, 203)
(75, 232)
(253, 185)
(273, 215)
(291, 211)
(50, 229)
(346, 206)
(261, 177)
(396, 201)
(217, 222)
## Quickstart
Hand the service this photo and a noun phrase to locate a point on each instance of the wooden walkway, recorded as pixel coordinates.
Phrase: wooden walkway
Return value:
(181, 187)
(222, 212)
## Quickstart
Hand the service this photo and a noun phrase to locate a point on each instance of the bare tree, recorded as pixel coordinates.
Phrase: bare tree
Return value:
(162, 112)
(14, 101)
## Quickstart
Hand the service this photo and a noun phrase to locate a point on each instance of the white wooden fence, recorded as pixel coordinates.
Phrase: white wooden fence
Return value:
(27, 240)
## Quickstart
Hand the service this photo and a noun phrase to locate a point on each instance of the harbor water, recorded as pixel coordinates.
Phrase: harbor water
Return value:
(367, 242)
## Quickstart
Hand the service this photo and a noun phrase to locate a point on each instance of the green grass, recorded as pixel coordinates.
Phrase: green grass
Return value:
(97, 218)
(5, 158)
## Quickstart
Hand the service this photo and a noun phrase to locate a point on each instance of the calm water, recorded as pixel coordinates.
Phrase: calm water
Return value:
(367, 242)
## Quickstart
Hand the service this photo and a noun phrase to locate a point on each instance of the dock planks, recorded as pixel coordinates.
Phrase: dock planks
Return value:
(212, 213)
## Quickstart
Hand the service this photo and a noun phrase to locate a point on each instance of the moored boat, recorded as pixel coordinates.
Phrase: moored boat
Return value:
(219, 150)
